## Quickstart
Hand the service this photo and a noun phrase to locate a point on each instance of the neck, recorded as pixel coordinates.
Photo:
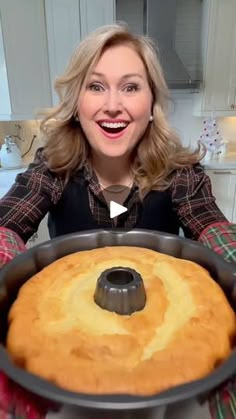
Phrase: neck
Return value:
(112, 171)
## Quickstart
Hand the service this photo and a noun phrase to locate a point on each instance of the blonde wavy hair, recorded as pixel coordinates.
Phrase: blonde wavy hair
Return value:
(157, 154)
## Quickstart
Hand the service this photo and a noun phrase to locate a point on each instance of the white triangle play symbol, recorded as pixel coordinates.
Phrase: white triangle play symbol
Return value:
(116, 209)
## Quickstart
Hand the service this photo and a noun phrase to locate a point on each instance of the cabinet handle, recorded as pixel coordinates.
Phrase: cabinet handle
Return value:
(222, 172)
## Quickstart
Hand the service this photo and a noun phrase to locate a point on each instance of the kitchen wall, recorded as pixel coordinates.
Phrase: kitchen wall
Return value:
(189, 127)
(180, 116)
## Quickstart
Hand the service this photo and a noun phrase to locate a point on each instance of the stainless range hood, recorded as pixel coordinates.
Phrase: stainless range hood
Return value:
(175, 25)
(161, 17)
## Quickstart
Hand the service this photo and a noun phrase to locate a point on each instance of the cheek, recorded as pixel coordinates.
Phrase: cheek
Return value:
(88, 106)
(83, 109)
(142, 110)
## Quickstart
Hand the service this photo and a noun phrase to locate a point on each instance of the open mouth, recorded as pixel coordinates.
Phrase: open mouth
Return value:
(113, 127)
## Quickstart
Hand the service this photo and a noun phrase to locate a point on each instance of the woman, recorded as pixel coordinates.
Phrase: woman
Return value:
(109, 140)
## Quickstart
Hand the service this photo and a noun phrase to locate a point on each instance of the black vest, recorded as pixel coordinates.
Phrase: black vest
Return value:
(73, 214)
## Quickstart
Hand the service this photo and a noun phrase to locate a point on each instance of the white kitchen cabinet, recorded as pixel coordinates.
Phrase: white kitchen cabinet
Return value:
(5, 104)
(234, 213)
(218, 94)
(95, 13)
(67, 22)
(224, 190)
(25, 47)
(63, 35)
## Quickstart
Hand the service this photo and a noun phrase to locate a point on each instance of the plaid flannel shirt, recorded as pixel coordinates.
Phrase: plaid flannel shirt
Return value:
(30, 198)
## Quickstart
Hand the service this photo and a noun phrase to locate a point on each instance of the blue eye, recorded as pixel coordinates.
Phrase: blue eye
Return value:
(131, 88)
(96, 87)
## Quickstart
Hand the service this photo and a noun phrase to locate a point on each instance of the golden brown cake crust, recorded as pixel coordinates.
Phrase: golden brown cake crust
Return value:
(58, 332)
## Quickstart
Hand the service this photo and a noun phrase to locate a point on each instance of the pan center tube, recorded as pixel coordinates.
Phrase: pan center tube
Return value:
(121, 290)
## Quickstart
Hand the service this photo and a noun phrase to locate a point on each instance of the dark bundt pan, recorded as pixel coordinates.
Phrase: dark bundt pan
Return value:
(14, 274)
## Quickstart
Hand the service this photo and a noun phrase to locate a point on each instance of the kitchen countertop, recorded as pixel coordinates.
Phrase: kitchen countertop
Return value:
(226, 162)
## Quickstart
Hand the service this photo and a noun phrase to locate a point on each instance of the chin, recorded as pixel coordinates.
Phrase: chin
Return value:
(115, 153)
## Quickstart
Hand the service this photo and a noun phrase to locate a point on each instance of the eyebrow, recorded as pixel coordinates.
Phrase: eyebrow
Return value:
(126, 76)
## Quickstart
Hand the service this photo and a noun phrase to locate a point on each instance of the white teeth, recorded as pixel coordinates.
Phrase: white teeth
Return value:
(114, 124)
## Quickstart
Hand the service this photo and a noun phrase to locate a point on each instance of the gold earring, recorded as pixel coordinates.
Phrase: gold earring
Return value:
(151, 118)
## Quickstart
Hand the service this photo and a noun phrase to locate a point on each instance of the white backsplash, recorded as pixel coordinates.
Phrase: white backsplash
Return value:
(26, 132)
(181, 119)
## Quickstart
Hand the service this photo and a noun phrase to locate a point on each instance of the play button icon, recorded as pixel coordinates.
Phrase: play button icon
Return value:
(116, 209)
(114, 198)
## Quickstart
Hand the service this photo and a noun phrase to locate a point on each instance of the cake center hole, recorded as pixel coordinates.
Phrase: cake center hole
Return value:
(120, 277)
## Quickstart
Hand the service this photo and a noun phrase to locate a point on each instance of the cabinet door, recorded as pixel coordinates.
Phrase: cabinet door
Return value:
(223, 188)
(219, 89)
(5, 104)
(24, 36)
(95, 13)
(63, 35)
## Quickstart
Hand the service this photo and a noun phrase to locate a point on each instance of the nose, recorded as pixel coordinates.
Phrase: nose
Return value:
(113, 103)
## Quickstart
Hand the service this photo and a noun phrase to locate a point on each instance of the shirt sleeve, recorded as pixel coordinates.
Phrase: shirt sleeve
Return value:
(193, 201)
(30, 198)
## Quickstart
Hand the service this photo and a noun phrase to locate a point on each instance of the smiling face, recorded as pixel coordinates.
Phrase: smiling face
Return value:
(115, 102)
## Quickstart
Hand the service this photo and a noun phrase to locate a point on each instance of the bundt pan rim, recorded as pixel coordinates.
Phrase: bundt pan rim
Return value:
(25, 265)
